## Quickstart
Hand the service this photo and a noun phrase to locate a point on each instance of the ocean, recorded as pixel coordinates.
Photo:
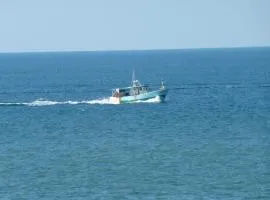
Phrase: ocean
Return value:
(61, 138)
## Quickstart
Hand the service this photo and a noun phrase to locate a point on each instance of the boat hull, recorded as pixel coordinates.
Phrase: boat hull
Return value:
(160, 94)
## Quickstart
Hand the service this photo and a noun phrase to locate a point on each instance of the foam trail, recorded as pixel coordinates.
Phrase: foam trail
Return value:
(43, 102)
(50, 103)
(12, 104)
(99, 101)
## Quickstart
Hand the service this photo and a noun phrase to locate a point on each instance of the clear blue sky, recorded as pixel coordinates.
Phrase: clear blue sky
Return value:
(82, 25)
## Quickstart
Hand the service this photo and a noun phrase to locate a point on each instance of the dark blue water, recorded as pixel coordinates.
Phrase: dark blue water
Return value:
(210, 140)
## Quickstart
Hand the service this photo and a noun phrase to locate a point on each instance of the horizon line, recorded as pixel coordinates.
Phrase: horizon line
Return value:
(131, 50)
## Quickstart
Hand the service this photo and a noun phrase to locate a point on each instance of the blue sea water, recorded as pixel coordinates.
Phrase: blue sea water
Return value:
(60, 138)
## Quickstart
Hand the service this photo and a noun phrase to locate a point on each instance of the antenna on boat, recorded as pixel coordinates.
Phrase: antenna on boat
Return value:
(133, 76)
(162, 84)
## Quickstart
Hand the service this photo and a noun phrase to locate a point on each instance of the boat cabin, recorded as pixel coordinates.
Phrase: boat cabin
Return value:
(135, 89)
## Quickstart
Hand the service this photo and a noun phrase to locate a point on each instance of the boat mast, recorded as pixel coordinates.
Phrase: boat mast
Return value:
(133, 76)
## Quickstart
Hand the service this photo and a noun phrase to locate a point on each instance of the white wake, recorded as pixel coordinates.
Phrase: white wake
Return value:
(101, 101)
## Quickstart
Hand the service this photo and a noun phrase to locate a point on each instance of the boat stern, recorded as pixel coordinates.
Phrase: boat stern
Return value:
(115, 100)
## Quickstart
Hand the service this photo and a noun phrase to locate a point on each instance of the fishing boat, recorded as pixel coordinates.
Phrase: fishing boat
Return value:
(138, 92)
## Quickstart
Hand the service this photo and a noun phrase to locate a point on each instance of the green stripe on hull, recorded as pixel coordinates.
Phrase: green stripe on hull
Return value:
(130, 101)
